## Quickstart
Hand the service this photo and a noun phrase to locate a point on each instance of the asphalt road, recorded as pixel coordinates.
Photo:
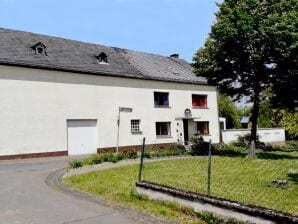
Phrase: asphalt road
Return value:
(25, 198)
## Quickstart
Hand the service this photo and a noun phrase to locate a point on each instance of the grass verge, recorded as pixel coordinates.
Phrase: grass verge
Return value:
(117, 186)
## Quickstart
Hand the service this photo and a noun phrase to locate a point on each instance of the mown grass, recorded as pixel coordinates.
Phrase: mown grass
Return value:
(233, 178)
(117, 185)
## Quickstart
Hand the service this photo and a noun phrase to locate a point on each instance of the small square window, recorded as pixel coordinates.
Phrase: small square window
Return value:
(202, 128)
(39, 50)
(163, 129)
(199, 101)
(161, 99)
(135, 126)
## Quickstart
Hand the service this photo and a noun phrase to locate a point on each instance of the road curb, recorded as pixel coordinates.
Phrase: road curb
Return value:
(54, 180)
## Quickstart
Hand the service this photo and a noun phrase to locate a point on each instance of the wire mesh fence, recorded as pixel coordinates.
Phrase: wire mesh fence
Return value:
(270, 180)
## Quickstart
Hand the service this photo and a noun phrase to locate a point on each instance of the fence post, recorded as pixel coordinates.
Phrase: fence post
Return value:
(141, 163)
(209, 168)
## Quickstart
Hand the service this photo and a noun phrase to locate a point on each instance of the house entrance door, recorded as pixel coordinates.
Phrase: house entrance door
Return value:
(185, 132)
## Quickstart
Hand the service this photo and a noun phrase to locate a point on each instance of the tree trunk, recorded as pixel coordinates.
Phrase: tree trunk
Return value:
(254, 121)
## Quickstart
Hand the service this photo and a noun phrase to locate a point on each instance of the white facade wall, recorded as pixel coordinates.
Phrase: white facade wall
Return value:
(36, 104)
(267, 135)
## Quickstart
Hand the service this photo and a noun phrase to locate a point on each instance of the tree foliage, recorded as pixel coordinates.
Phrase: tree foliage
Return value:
(253, 47)
(265, 117)
(271, 117)
(287, 120)
(228, 109)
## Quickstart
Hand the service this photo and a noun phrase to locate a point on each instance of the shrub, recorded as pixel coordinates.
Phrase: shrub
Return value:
(96, 159)
(199, 146)
(105, 157)
(291, 145)
(228, 150)
(243, 141)
(113, 158)
(75, 164)
(120, 156)
(147, 155)
(130, 154)
(174, 150)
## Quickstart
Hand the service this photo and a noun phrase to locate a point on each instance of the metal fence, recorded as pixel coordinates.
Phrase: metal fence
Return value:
(270, 180)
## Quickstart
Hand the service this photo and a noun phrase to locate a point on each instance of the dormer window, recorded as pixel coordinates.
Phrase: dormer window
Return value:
(102, 58)
(39, 48)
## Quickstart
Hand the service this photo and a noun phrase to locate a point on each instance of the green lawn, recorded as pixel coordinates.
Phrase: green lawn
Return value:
(234, 178)
(117, 186)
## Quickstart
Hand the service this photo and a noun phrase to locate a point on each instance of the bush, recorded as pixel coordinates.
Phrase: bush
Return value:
(147, 155)
(113, 158)
(96, 159)
(228, 150)
(75, 164)
(199, 146)
(291, 145)
(174, 150)
(130, 154)
(243, 141)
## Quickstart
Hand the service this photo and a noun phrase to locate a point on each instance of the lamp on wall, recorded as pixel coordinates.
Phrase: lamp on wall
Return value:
(187, 113)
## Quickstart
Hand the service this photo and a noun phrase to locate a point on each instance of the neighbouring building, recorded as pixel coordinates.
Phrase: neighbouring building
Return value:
(245, 122)
(64, 97)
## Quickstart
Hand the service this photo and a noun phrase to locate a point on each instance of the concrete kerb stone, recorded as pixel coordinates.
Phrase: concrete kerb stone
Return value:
(55, 181)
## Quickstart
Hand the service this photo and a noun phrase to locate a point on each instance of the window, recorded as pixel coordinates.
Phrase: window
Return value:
(102, 58)
(163, 129)
(39, 48)
(202, 128)
(199, 101)
(161, 99)
(135, 126)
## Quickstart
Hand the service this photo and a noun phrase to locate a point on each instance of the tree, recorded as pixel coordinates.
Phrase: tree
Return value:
(252, 47)
(287, 120)
(228, 109)
(265, 116)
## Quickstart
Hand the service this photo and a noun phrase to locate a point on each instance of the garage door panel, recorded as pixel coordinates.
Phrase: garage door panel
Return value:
(82, 137)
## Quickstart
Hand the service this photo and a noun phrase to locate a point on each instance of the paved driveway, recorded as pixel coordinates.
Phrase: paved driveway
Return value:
(25, 198)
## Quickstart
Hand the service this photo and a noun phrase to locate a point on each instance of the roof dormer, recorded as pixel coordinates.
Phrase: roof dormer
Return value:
(102, 58)
(39, 48)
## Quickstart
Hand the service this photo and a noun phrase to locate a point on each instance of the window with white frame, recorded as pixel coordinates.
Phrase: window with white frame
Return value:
(163, 129)
(135, 126)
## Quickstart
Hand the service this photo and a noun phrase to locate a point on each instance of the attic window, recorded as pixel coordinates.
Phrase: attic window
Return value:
(102, 58)
(39, 48)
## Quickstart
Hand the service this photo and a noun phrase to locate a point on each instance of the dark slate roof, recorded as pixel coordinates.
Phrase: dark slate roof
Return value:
(75, 56)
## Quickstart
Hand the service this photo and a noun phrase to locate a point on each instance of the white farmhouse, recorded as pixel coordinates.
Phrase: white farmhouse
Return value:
(63, 97)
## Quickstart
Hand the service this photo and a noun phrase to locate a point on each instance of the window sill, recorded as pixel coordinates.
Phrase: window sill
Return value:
(202, 134)
(166, 107)
(164, 136)
(137, 133)
(200, 107)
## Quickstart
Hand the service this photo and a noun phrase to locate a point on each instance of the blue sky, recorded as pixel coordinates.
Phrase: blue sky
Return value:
(157, 26)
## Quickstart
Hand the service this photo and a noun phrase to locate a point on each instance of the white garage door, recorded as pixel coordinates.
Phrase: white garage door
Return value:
(82, 137)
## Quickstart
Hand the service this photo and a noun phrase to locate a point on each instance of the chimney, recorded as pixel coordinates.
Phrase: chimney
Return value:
(174, 56)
